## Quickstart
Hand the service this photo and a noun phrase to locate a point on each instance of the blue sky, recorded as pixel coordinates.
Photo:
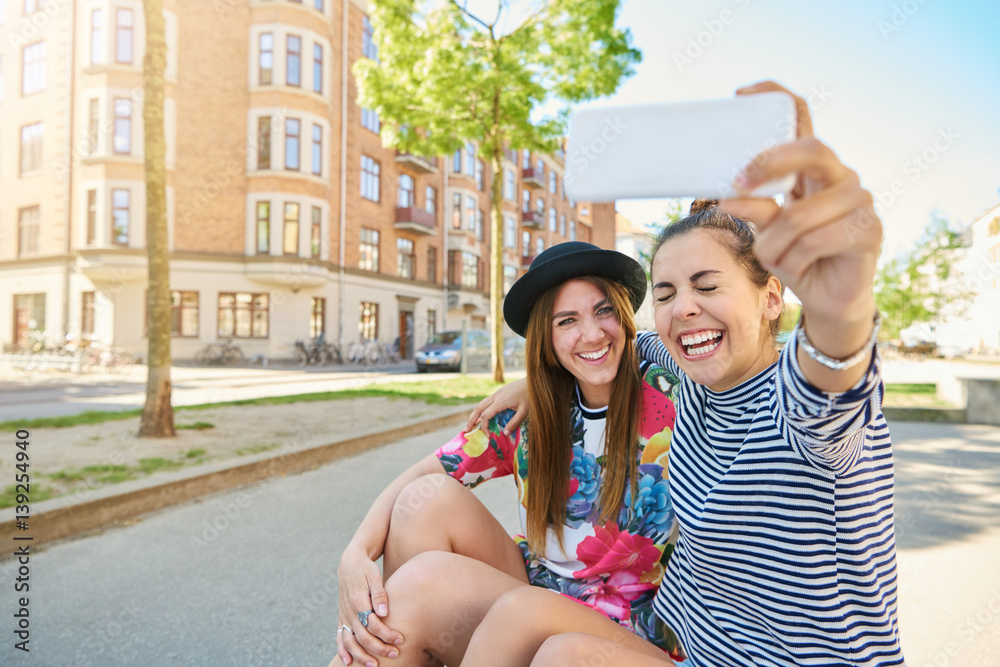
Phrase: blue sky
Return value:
(896, 80)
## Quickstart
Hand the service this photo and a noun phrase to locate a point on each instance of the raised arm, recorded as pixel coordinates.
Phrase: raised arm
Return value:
(823, 244)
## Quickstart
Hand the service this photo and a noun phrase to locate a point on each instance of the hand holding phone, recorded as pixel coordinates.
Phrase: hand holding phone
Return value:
(686, 149)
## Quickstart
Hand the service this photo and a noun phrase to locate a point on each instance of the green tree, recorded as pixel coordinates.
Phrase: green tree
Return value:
(922, 285)
(445, 76)
(158, 413)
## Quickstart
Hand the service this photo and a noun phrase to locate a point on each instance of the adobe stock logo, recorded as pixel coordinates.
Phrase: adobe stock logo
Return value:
(584, 156)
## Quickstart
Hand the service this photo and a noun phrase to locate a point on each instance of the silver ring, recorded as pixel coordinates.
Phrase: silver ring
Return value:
(363, 617)
(344, 627)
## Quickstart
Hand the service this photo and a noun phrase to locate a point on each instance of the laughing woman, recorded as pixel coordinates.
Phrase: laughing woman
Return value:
(590, 475)
(781, 467)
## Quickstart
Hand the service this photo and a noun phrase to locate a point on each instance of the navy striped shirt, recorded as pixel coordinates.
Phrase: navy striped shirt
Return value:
(784, 495)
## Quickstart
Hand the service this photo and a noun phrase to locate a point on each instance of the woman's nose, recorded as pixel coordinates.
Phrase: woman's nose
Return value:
(685, 306)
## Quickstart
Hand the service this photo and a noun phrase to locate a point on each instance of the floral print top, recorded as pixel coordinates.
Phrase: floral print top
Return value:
(616, 567)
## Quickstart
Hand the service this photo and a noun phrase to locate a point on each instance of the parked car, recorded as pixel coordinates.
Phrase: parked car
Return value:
(444, 351)
(513, 352)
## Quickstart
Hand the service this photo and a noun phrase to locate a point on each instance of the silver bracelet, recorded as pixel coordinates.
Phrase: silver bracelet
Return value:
(829, 362)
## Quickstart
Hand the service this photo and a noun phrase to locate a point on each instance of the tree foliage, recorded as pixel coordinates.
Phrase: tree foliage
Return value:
(923, 286)
(445, 76)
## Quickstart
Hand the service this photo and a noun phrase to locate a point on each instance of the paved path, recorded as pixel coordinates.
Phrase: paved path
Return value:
(246, 577)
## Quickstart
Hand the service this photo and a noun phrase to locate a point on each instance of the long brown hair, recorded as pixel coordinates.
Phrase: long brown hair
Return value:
(550, 392)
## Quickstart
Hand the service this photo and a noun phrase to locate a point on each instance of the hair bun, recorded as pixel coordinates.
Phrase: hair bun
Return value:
(699, 205)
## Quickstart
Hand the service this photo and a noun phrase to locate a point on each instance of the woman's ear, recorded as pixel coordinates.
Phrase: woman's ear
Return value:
(773, 302)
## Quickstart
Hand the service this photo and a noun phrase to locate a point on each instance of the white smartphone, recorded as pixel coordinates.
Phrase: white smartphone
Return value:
(687, 149)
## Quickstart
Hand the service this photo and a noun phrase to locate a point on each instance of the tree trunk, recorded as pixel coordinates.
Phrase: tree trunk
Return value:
(157, 414)
(496, 259)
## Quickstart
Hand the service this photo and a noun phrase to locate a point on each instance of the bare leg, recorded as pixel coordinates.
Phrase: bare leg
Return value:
(438, 600)
(437, 513)
(524, 618)
(579, 650)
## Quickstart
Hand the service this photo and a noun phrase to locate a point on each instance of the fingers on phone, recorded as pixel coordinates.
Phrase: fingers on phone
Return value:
(809, 157)
(804, 118)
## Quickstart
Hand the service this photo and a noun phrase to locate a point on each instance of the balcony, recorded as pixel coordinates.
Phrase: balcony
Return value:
(413, 219)
(416, 163)
(533, 178)
(526, 261)
(532, 219)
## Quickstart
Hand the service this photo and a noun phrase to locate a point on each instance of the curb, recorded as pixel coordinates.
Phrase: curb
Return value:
(56, 519)
(932, 415)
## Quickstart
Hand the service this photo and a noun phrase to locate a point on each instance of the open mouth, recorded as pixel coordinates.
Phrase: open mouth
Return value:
(595, 356)
(701, 343)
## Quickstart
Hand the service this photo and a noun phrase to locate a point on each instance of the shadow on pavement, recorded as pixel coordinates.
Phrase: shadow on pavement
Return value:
(947, 482)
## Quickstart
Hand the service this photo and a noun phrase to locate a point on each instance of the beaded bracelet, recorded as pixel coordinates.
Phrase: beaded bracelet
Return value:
(830, 362)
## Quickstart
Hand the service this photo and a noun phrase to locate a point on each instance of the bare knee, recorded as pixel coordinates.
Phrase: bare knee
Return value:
(519, 608)
(423, 496)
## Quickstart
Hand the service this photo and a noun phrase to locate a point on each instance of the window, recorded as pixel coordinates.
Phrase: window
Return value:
(508, 185)
(525, 244)
(87, 315)
(316, 233)
(292, 135)
(509, 232)
(562, 224)
(552, 182)
(319, 5)
(318, 68)
(456, 162)
(480, 181)
(31, 147)
(526, 159)
(370, 120)
(183, 314)
(91, 217)
(552, 219)
(293, 60)
(263, 227)
(368, 48)
(456, 211)
(539, 246)
(265, 60)
(123, 36)
(33, 68)
(480, 226)
(584, 210)
(317, 317)
(405, 196)
(369, 250)
(470, 270)
(470, 213)
(509, 276)
(243, 315)
(290, 229)
(96, 37)
(317, 151)
(29, 315)
(540, 168)
(572, 230)
(430, 199)
(123, 126)
(264, 142)
(432, 260)
(431, 323)
(406, 260)
(525, 201)
(540, 207)
(93, 126)
(120, 216)
(368, 325)
(27, 231)
(470, 159)
(369, 178)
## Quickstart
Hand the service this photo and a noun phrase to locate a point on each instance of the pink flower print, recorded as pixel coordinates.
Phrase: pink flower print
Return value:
(610, 550)
(614, 596)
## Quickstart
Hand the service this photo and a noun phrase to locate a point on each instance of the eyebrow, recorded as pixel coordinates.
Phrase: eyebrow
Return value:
(695, 277)
(566, 313)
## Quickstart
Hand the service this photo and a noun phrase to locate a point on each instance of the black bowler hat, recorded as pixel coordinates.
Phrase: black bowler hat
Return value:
(565, 261)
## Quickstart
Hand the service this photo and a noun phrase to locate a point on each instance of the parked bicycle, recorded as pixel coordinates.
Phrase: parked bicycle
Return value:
(225, 353)
(315, 353)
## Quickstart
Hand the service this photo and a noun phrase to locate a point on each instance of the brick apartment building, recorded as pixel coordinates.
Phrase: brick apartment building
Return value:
(286, 215)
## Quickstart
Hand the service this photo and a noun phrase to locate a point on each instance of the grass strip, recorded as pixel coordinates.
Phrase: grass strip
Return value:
(433, 392)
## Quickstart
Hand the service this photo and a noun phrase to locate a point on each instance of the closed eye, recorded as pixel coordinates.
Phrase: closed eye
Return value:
(706, 289)
(604, 311)
(664, 298)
